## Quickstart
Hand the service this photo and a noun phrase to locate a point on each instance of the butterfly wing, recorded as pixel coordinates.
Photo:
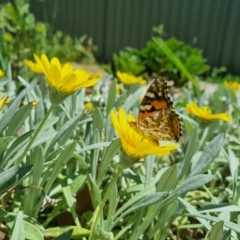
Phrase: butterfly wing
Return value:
(157, 119)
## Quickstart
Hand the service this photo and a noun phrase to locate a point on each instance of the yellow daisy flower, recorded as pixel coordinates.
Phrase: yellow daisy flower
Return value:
(3, 101)
(235, 86)
(2, 74)
(206, 113)
(63, 81)
(34, 67)
(134, 146)
(130, 79)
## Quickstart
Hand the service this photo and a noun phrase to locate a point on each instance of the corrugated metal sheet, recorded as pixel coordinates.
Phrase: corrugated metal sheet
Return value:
(114, 24)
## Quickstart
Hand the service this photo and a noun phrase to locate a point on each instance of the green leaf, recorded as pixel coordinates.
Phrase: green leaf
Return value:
(7, 117)
(93, 146)
(109, 132)
(33, 205)
(98, 120)
(133, 99)
(96, 194)
(174, 58)
(231, 225)
(64, 133)
(77, 183)
(69, 200)
(220, 208)
(168, 180)
(37, 165)
(4, 141)
(19, 118)
(17, 145)
(192, 183)
(78, 232)
(48, 124)
(112, 94)
(65, 236)
(140, 195)
(192, 210)
(149, 163)
(121, 100)
(43, 137)
(147, 201)
(61, 161)
(31, 231)
(208, 155)
(12, 175)
(132, 89)
(112, 203)
(111, 151)
(94, 154)
(6, 176)
(192, 145)
(233, 163)
(18, 230)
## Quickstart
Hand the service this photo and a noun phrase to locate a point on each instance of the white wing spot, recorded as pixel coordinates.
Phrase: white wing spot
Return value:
(149, 94)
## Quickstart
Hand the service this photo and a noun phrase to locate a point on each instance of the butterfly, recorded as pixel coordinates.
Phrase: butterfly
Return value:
(157, 119)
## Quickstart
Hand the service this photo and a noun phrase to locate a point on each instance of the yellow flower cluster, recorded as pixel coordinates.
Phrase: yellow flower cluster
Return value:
(206, 113)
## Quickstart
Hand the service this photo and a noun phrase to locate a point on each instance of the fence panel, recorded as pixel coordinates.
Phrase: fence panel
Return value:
(212, 25)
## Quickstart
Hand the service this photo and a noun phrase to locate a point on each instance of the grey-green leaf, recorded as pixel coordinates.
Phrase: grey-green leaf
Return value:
(208, 155)
(147, 201)
(168, 180)
(18, 229)
(65, 236)
(18, 119)
(6, 118)
(64, 132)
(98, 120)
(111, 96)
(8, 181)
(216, 231)
(192, 183)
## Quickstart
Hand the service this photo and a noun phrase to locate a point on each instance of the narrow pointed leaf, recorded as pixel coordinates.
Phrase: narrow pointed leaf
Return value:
(7, 117)
(111, 151)
(9, 181)
(61, 161)
(208, 155)
(217, 231)
(111, 96)
(168, 180)
(65, 236)
(98, 120)
(64, 133)
(18, 229)
(19, 118)
(78, 232)
(192, 183)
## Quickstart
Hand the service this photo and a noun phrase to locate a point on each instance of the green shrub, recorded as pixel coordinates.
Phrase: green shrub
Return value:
(152, 61)
(21, 36)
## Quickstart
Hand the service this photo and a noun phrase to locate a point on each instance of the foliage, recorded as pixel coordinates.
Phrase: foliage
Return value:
(152, 61)
(21, 36)
(61, 175)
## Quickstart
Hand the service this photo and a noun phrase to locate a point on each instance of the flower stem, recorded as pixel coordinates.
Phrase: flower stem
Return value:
(94, 226)
(36, 132)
